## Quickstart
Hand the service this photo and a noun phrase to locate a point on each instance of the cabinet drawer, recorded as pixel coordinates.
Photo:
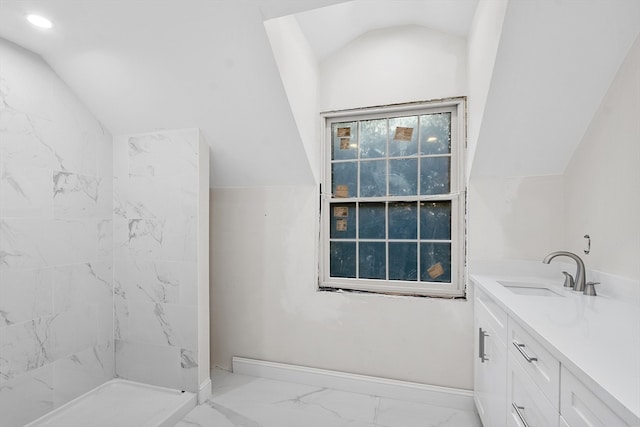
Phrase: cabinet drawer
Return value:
(543, 368)
(526, 405)
(580, 407)
(492, 314)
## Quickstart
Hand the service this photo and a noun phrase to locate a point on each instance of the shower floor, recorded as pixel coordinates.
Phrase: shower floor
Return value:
(121, 403)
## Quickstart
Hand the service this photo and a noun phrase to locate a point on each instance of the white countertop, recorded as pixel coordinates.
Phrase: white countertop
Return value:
(596, 338)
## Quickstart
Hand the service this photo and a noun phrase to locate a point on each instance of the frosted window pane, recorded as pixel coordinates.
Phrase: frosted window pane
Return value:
(434, 175)
(435, 220)
(403, 261)
(372, 220)
(373, 258)
(435, 262)
(344, 179)
(343, 220)
(435, 133)
(343, 259)
(373, 178)
(403, 221)
(344, 141)
(373, 138)
(403, 141)
(403, 177)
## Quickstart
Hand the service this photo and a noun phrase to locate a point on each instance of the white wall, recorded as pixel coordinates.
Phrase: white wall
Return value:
(394, 65)
(599, 194)
(264, 302)
(484, 38)
(514, 218)
(602, 181)
(299, 73)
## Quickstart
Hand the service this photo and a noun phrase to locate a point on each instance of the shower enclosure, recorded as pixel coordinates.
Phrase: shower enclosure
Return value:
(103, 249)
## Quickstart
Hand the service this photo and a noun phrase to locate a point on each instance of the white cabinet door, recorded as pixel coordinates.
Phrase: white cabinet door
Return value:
(526, 404)
(581, 408)
(490, 369)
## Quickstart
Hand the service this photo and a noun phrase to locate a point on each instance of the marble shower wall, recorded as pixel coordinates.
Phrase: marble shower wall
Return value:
(156, 184)
(56, 262)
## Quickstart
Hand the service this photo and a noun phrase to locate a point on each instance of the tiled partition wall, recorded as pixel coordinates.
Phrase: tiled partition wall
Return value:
(156, 254)
(56, 299)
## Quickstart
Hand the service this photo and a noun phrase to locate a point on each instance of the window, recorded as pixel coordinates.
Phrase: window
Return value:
(393, 218)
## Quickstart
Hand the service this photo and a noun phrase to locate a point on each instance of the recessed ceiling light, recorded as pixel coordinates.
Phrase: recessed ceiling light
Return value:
(39, 21)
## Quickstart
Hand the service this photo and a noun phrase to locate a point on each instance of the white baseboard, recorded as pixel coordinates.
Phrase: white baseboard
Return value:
(393, 389)
(204, 391)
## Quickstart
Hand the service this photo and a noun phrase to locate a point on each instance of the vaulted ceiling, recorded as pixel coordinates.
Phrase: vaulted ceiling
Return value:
(555, 62)
(143, 65)
(330, 28)
(151, 64)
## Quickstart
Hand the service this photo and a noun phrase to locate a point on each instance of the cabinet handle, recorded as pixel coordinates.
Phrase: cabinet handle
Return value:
(481, 335)
(519, 414)
(524, 354)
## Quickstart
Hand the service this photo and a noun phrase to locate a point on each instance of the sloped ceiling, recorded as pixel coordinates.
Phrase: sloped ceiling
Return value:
(555, 62)
(331, 28)
(144, 65)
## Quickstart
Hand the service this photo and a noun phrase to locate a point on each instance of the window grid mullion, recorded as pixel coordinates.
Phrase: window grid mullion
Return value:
(357, 240)
(387, 159)
(358, 142)
(419, 190)
(400, 199)
(419, 210)
(373, 159)
(386, 213)
(386, 239)
(419, 153)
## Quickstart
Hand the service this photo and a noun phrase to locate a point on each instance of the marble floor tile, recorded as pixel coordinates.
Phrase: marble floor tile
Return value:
(410, 414)
(239, 400)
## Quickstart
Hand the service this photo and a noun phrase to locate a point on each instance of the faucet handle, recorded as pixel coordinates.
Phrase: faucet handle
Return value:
(568, 280)
(590, 288)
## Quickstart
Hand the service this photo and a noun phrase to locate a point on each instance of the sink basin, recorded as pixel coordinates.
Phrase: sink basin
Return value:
(531, 289)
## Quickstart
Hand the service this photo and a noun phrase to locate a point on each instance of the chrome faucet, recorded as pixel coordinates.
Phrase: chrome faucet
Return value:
(580, 273)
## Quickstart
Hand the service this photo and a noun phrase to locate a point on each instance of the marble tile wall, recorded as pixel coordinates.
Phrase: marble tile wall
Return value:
(56, 244)
(155, 258)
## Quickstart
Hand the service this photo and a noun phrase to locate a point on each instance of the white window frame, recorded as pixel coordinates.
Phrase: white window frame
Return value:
(457, 196)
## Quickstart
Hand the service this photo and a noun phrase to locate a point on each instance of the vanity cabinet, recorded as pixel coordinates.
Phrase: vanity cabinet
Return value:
(519, 382)
(581, 408)
(490, 366)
